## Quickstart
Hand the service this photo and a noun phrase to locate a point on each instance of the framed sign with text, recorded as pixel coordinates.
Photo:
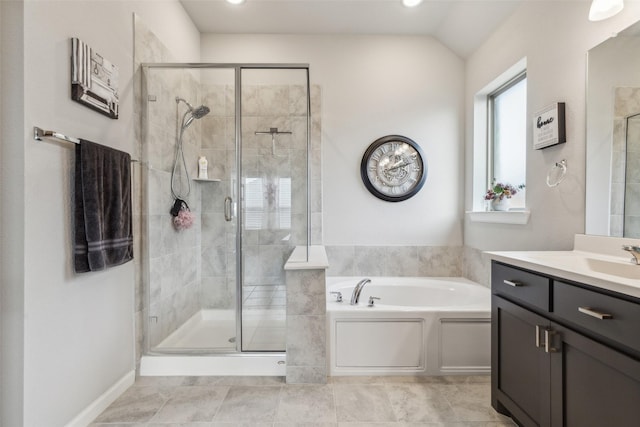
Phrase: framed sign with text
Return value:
(549, 126)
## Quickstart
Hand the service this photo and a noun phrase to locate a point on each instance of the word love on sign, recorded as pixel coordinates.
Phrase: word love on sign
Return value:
(549, 127)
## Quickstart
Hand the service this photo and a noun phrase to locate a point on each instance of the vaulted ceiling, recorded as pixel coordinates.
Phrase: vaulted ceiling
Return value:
(461, 25)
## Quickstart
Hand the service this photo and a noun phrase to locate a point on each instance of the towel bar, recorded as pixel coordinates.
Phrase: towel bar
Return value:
(39, 133)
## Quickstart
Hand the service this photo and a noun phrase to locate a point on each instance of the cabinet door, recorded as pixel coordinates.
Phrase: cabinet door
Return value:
(520, 367)
(591, 384)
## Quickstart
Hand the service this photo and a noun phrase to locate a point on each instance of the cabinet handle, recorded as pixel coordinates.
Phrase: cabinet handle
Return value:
(548, 336)
(512, 283)
(591, 312)
(538, 345)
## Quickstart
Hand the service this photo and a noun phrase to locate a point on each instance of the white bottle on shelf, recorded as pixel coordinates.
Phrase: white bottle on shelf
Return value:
(202, 168)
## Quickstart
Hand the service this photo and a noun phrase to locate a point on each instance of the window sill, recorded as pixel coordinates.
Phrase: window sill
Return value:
(519, 217)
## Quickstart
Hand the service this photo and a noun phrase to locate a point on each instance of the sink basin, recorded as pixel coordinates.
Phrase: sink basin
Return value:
(585, 263)
(614, 268)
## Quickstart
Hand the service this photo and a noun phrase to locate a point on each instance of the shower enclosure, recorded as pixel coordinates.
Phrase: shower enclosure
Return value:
(218, 285)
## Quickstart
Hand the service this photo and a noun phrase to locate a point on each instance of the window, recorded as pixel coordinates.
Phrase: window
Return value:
(507, 116)
(265, 200)
(284, 203)
(254, 203)
(500, 143)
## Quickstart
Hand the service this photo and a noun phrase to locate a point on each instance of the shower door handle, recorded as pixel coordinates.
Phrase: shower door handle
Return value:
(228, 208)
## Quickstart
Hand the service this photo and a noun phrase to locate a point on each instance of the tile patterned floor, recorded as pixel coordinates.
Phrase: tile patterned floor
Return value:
(269, 402)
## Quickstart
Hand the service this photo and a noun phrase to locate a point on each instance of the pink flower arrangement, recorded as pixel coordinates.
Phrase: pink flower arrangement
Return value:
(499, 191)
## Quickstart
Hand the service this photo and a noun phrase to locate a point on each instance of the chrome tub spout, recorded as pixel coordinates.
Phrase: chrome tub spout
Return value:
(356, 291)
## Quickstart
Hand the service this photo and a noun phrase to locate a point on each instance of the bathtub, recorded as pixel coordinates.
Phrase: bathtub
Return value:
(419, 326)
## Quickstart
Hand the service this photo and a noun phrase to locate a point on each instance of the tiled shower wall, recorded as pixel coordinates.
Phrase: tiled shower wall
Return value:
(174, 256)
(168, 267)
(625, 182)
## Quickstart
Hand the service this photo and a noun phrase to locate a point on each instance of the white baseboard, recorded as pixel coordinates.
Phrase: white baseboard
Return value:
(86, 417)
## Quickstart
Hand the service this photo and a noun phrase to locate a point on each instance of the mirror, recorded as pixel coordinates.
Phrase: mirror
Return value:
(613, 136)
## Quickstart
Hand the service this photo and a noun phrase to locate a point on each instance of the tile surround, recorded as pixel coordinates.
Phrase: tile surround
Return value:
(477, 266)
(409, 261)
(306, 327)
(399, 261)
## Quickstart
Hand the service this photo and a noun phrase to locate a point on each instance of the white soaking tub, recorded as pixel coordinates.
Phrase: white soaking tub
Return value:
(419, 326)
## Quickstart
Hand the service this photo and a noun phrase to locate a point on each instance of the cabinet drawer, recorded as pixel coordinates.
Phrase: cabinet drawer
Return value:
(611, 317)
(529, 288)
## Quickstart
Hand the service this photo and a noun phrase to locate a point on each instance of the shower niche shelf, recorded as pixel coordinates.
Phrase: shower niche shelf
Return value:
(206, 180)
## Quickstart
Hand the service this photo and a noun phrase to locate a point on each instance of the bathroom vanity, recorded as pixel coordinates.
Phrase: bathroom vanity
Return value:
(566, 335)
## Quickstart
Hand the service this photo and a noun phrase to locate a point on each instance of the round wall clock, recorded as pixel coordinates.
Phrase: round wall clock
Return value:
(393, 168)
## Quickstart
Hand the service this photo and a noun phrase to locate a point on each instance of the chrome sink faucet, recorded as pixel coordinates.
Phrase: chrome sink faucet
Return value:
(635, 251)
(355, 296)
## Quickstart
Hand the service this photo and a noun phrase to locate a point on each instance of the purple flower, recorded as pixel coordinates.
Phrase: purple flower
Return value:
(500, 191)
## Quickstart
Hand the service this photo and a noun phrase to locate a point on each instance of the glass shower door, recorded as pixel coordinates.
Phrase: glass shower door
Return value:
(274, 126)
(191, 276)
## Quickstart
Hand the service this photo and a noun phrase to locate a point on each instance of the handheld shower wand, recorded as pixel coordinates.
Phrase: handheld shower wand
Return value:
(189, 116)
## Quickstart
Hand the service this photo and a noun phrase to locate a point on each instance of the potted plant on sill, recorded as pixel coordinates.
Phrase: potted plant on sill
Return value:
(499, 195)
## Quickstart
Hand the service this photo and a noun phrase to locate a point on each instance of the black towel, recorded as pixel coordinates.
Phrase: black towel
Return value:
(103, 217)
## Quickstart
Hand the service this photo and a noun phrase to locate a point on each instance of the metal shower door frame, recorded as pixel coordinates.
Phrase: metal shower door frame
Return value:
(238, 67)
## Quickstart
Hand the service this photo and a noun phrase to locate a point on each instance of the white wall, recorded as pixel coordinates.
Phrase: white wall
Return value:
(374, 86)
(69, 337)
(554, 37)
(11, 216)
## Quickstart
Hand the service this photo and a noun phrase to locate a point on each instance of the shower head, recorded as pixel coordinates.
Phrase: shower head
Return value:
(200, 112)
(193, 113)
(196, 113)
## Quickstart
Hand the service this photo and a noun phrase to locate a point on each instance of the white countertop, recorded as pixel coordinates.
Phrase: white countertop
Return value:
(595, 260)
(317, 259)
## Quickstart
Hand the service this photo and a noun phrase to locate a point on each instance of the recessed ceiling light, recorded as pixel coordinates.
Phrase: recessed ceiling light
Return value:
(411, 3)
(235, 1)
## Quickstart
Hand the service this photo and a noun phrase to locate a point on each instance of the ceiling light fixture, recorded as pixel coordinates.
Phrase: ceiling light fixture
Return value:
(235, 1)
(411, 3)
(603, 9)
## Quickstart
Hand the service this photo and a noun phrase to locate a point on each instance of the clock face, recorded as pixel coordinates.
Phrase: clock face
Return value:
(393, 168)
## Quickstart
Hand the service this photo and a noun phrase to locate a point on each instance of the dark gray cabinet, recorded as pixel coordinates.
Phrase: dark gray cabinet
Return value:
(520, 370)
(557, 361)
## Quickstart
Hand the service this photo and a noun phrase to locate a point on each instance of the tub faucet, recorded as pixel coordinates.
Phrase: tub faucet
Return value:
(356, 291)
(635, 251)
